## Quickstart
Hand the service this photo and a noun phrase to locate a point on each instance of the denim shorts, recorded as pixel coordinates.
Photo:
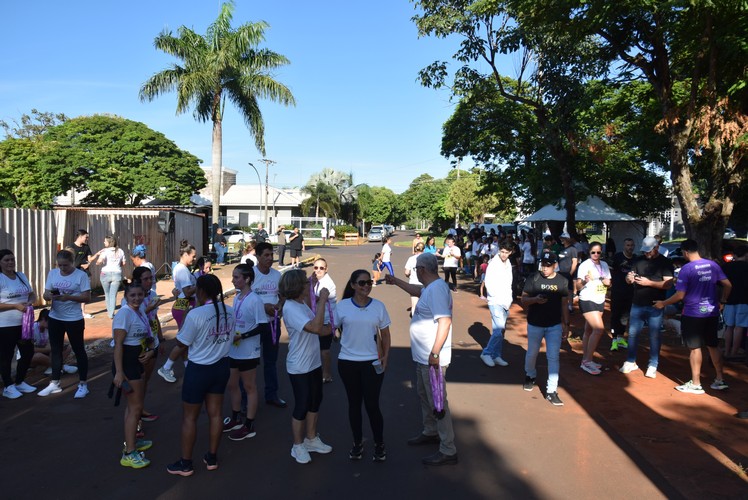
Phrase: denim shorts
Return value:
(736, 315)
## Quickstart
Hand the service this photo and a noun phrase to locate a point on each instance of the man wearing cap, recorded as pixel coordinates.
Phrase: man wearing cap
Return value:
(568, 261)
(431, 346)
(545, 296)
(498, 283)
(652, 276)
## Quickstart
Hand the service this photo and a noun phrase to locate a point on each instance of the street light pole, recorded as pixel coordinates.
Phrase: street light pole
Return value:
(267, 190)
(259, 181)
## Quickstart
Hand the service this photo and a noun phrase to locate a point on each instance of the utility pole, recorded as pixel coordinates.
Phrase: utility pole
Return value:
(267, 189)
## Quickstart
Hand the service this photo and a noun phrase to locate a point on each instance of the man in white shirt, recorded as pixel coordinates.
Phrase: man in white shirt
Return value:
(498, 283)
(431, 346)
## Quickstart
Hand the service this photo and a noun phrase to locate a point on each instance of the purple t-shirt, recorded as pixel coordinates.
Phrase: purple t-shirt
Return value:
(699, 280)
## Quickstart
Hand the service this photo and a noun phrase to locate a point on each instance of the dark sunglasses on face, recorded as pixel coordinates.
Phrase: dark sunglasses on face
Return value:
(319, 268)
(365, 282)
(595, 253)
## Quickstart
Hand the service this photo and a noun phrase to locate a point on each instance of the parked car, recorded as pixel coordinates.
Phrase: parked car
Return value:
(729, 233)
(382, 229)
(390, 229)
(728, 248)
(376, 233)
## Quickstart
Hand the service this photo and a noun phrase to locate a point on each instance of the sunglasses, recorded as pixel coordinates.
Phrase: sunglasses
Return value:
(365, 282)
(319, 268)
(595, 253)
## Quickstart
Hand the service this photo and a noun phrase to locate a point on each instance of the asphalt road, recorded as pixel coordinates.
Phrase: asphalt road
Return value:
(616, 437)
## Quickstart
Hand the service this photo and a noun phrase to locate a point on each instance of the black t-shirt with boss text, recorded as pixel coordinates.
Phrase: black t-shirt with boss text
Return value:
(554, 289)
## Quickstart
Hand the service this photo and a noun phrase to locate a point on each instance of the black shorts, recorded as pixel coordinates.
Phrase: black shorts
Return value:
(200, 380)
(307, 392)
(588, 306)
(699, 332)
(244, 365)
(295, 253)
(131, 366)
(325, 342)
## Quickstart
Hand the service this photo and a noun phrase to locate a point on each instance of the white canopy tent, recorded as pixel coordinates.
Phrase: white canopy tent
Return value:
(621, 225)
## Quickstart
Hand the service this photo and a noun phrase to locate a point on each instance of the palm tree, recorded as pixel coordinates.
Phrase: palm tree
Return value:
(226, 63)
(322, 197)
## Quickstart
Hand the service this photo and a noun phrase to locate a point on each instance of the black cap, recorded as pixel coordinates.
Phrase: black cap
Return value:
(548, 258)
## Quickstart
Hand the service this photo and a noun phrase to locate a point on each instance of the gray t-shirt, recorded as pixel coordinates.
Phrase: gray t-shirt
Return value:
(565, 257)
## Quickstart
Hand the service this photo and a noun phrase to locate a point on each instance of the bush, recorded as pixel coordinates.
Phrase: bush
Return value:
(341, 230)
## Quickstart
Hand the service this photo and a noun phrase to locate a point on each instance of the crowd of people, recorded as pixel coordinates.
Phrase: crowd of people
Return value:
(223, 345)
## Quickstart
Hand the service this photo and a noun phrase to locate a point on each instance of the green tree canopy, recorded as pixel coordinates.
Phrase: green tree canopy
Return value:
(379, 207)
(121, 162)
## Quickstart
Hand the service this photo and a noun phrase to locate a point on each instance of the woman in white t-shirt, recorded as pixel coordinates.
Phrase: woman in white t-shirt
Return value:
(67, 288)
(250, 254)
(410, 272)
(321, 279)
(16, 296)
(593, 280)
(365, 340)
(208, 331)
(244, 356)
(113, 259)
(387, 255)
(303, 361)
(451, 255)
(133, 348)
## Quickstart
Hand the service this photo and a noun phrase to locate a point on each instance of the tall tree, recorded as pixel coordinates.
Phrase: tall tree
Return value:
(321, 196)
(694, 56)
(342, 183)
(225, 63)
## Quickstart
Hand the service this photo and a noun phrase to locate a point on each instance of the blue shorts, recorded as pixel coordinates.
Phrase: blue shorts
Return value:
(200, 380)
(736, 315)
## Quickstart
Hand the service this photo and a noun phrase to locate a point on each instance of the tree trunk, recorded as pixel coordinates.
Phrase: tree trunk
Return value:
(216, 167)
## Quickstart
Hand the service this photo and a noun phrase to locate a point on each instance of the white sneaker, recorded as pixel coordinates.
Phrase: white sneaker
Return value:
(651, 372)
(25, 388)
(316, 445)
(69, 369)
(88, 316)
(52, 388)
(300, 453)
(82, 391)
(11, 392)
(167, 375)
(48, 371)
(628, 367)
(500, 361)
(488, 360)
(690, 387)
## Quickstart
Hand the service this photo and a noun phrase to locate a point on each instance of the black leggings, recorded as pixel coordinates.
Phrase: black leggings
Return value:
(307, 392)
(10, 337)
(450, 272)
(620, 305)
(362, 385)
(74, 329)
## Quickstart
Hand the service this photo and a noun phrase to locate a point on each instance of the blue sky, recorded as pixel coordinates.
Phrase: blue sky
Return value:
(353, 73)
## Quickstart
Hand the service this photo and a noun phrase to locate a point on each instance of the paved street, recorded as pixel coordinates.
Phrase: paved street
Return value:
(616, 437)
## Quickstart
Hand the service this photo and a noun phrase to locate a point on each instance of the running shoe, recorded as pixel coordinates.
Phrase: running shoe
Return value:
(622, 343)
(357, 452)
(316, 445)
(167, 375)
(181, 467)
(11, 392)
(589, 368)
(554, 399)
(52, 388)
(487, 360)
(211, 461)
(614, 345)
(151, 417)
(140, 445)
(135, 459)
(529, 384)
(229, 424)
(25, 388)
(82, 391)
(690, 388)
(243, 432)
(651, 372)
(719, 385)
(300, 454)
(628, 367)
(69, 369)
(380, 454)
(499, 361)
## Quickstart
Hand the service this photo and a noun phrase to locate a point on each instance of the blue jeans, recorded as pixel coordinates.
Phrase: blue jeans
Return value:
(498, 325)
(552, 335)
(111, 281)
(636, 323)
(220, 252)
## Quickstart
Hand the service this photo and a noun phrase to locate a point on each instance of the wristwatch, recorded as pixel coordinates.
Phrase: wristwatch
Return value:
(435, 356)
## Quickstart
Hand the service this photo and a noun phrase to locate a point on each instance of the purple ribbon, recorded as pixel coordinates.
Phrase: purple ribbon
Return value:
(437, 390)
(274, 327)
(28, 324)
